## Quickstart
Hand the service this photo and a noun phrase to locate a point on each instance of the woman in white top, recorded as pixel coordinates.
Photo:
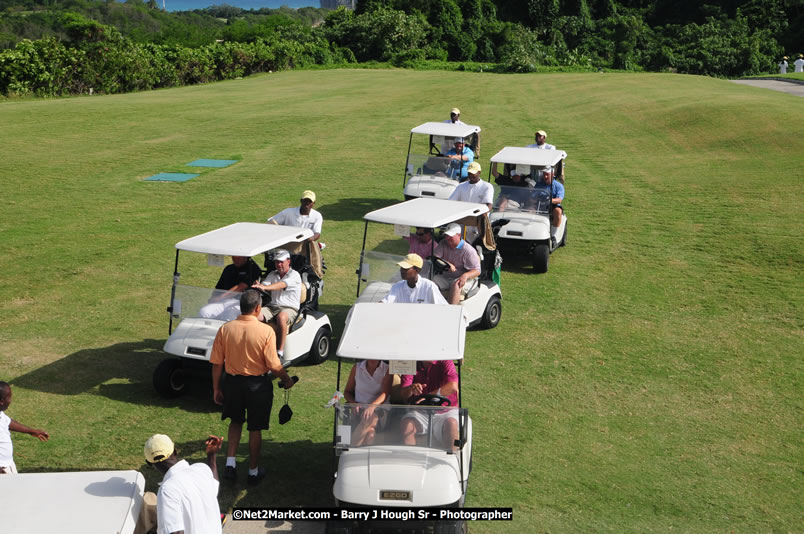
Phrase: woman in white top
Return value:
(369, 383)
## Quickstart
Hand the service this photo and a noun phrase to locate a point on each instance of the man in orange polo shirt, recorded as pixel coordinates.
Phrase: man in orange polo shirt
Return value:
(246, 349)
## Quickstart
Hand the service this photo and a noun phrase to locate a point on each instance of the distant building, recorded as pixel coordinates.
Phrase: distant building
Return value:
(335, 4)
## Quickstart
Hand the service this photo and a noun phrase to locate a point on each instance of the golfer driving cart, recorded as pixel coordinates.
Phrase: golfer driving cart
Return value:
(420, 452)
(382, 251)
(436, 170)
(526, 199)
(200, 312)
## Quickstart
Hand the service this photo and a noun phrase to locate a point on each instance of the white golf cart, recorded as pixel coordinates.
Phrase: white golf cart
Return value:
(87, 502)
(527, 208)
(387, 471)
(428, 172)
(201, 311)
(378, 267)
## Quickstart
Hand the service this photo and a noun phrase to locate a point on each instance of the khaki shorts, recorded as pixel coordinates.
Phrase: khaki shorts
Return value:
(269, 312)
(444, 284)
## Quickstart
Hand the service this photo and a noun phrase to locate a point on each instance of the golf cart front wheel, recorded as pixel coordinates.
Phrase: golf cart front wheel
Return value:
(169, 380)
(541, 255)
(319, 351)
(493, 313)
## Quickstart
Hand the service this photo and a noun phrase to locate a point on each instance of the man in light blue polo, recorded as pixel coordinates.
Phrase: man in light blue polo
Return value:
(556, 196)
(461, 157)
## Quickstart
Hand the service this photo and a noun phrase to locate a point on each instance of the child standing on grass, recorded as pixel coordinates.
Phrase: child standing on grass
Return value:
(6, 426)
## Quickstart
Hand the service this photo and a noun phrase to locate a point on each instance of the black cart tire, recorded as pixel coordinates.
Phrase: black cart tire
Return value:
(322, 344)
(541, 256)
(169, 378)
(493, 313)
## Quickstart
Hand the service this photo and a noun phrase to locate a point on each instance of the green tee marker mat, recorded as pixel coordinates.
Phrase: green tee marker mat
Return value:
(218, 163)
(171, 177)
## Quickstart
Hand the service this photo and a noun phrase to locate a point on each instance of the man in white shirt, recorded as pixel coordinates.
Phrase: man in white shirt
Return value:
(541, 136)
(304, 216)
(285, 286)
(454, 117)
(474, 189)
(187, 500)
(799, 63)
(413, 288)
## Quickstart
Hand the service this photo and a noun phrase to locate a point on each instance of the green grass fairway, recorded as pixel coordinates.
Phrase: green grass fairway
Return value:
(651, 381)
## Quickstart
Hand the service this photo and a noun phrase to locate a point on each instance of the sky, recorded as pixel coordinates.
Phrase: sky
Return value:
(183, 5)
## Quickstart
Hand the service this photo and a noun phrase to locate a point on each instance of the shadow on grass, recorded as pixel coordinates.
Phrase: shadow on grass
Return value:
(122, 372)
(353, 209)
(298, 473)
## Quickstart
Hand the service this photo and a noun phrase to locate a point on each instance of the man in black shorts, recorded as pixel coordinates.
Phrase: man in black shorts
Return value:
(246, 349)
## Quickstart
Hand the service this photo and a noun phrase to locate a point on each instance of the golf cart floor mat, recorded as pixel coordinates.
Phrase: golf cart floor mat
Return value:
(171, 177)
(217, 163)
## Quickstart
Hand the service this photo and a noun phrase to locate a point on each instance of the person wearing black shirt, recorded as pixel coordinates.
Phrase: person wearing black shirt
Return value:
(235, 278)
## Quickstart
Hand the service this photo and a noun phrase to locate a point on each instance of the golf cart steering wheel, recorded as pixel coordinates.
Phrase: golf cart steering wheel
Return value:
(428, 399)
(265, 295)
(439, 265)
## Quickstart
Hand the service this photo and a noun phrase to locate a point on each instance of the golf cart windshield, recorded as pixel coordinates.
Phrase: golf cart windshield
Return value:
(522, 199)
(379, 271)
(433, 165)
(366, 425)
(191, 301)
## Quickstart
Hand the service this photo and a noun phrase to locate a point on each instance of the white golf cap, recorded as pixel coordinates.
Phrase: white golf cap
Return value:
(455, 111)
(281, 254)
(453, 229)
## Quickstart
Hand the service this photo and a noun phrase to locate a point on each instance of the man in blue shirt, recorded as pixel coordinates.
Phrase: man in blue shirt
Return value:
(461, 157)
(556, 194)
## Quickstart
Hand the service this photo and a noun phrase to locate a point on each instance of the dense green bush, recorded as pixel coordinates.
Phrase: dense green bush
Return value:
(99, 58)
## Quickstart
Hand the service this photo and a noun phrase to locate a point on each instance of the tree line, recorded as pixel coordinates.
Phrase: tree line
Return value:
(59, 47)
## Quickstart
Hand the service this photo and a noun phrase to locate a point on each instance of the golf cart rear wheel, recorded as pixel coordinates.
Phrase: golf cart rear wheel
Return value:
(319, 352)
(541, 255)
(493, 313)
(169, 378)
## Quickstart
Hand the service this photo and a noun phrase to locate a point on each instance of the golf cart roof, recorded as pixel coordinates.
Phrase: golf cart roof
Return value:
(447, 129)
(244, 239)
(528, 156)
(426, 212)
(413, 332)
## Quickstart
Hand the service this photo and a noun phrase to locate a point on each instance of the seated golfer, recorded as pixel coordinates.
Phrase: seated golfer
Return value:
(369, 383)
(464, 265)
(188, 495)
(285, 286)
(435, 378)
(413, 288)
(235, 278)
(421, 242)
(556, 194)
